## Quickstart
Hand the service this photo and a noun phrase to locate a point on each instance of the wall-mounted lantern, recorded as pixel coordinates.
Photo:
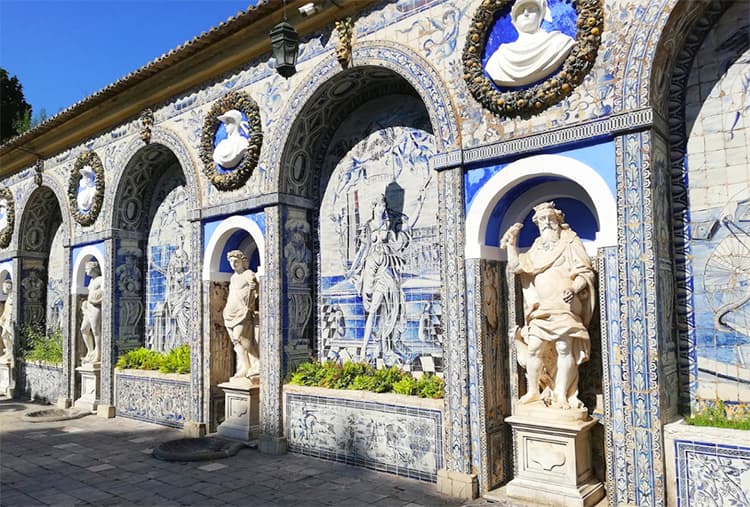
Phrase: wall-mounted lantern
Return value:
(285, 45)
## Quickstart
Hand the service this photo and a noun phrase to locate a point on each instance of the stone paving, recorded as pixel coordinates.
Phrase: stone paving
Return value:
(96, 461)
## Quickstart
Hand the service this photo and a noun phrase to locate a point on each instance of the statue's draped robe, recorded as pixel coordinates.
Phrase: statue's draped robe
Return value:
(528, 59)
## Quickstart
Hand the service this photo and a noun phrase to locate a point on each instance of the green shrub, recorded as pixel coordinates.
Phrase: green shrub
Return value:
(140, 359)
(715, 414)
(36, 345)
(363, 377)
(430, 386)
(176, 360)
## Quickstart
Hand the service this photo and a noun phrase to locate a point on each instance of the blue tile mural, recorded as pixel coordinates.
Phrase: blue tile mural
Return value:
(380, 261)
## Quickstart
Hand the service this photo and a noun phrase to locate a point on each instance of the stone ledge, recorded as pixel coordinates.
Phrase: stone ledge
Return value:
(352, 394)
(457, 484)
(155, 374)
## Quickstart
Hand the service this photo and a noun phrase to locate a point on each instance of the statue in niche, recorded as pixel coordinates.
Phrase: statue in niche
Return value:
(535, 54)
(229, 152)
(86, 189)
(239, 315)
(559, 297)
(7, 325)
(376, 274)
(91, 308)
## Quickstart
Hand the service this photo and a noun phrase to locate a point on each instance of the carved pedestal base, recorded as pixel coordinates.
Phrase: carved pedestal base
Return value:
(89, 399)
(241, 415)
(553, 460)
(7, 380)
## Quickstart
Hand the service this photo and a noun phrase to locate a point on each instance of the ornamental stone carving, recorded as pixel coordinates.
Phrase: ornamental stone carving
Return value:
(86, 188)
(231, 141)
(537, 70)
(7, 216)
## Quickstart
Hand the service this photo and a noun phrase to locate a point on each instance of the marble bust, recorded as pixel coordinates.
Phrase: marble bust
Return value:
(91, 308)
(86, 189)
(3, 214)
(7, 327)
(239, 316)
(535, 54)
(229, 151)
(559, 296)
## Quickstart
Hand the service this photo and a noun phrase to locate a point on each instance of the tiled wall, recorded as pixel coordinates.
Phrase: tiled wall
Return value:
(169, 277)
(55, 282)
(382, 265)
(158, 398)
(718, 124)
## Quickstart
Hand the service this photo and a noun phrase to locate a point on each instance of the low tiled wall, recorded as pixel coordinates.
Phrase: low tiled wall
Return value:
(38, 381)
(161, 398)
(399, 434)
(707, 466)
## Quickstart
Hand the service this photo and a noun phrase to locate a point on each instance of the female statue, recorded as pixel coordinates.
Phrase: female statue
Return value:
(91, 307)
(7, 327)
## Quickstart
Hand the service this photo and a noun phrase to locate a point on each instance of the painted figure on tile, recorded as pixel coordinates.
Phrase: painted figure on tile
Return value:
(376, 274)
(559, 298)
(86, 189)
(229, 151)
(239, 315)
(7, 325)
(490, 297)
(535, 54)
(177, 308)
(91, 308)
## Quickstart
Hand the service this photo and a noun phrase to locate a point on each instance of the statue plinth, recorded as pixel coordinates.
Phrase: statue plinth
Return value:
(241, 409)
(90, 374)
(7, 379)
(553, 457)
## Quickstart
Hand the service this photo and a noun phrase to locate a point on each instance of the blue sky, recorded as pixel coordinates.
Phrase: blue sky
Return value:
(64, 50)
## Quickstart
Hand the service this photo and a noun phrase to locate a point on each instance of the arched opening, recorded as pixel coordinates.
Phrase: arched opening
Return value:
(233, 233)
(153, 269)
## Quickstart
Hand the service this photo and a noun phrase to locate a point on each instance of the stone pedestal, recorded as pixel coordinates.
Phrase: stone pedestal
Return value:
(7, 380)
(552, 451)
(90, 374)
(241, 409)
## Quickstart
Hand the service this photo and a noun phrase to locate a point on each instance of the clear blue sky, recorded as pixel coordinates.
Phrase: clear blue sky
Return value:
(64, 50)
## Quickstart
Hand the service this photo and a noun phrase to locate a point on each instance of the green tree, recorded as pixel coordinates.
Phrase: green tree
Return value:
(15, 112)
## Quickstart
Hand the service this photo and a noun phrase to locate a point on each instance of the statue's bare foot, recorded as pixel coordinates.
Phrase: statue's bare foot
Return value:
(529, 398)
(252, 373)
(240, 374)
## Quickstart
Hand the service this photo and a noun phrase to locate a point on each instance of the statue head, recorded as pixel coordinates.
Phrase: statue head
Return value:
(88, 176)
(232, 120)
(239, 258)
(548, 218)
(527, 15)
(7, 286)
(92, 269)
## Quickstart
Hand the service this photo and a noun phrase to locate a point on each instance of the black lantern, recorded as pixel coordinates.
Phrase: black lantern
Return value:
(285, 43)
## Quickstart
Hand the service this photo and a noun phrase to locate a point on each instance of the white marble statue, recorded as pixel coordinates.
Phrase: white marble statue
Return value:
(559, 298)
(239, 315)
(229, 152)
(91, 308)
(86, 189)
(7, 326)
(536, 52)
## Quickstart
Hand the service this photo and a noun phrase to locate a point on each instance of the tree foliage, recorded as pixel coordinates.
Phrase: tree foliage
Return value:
(15, 112)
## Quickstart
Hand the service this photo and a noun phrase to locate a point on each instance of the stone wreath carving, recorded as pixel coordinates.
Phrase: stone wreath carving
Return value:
(86, 188)
(7, 216)
(240, 116)
(534, 99)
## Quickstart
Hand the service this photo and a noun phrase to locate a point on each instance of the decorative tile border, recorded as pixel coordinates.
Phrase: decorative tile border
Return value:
(153, 397)
(358, 429)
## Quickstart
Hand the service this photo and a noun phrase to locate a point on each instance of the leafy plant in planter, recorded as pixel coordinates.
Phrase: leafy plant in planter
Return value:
(364, 377)
(37, 345)
(176, 360)
(715, 414)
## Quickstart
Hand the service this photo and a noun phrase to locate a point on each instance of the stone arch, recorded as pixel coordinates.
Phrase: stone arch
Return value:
(52, 185)
(160, 137)
(372, 60)
(212, 256)
(572, 177)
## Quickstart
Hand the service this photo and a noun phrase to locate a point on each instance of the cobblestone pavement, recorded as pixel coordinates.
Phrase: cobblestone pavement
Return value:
(96, 461)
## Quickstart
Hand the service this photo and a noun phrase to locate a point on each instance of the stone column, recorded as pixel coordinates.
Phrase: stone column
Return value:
(199, 371)
(272, 440)
(456, 478)
(67, 393)
(107, 399)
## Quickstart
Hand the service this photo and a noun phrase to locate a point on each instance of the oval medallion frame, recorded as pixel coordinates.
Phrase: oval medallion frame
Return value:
(234, 179)
(91, 159)
(7, 233)
(527, 102)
